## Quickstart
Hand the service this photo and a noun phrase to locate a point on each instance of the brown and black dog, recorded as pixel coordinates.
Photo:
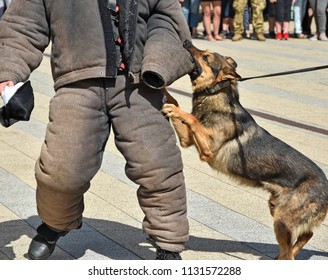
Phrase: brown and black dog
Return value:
(230, 141)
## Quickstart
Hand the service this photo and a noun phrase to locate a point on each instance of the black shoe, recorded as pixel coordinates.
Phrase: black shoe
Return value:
(272, 35)
(44, 243)
(167, 255)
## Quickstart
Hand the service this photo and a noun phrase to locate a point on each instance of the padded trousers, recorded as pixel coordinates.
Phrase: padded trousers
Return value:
(81, 116)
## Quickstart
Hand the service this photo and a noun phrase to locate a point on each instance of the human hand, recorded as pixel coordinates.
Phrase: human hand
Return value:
(4, 84)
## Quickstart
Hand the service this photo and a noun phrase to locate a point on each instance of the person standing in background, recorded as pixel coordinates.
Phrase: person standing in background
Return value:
(190, 9)
(258, 7)
(228, 15)
(320, 17)
(307, 20)
(271, 19)
(282, 12)
(247, 21)
(299, 13)
(207, 7)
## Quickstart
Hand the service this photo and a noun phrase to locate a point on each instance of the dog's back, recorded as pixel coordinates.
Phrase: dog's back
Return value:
(256, 155)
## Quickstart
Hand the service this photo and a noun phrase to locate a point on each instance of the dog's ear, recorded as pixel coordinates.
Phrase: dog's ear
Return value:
(231, 62)
(229, 73)
(229, 70)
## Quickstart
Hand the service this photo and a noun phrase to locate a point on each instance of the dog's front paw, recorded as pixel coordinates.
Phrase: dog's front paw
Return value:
(170, 110)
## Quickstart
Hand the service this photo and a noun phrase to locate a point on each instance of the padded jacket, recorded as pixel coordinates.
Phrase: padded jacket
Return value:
(152, 32)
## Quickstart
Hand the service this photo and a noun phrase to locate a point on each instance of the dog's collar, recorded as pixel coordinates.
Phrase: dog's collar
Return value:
(217, 87)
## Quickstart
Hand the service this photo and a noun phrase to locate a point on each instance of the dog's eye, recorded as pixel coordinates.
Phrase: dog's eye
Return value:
(205, 58)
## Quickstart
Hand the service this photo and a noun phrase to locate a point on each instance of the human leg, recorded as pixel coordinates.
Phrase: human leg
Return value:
(71, 153)
(322, 19)
(247, 17)
(228, 15)
(278, 12)
(286, 18)
(279, 28)
(185, 7)
(70, 156)
(319, 9)
(307, 20)
(258, 7)
(271, 19)
(297, 17)
(238, 24)
(217, 10)
(194, 17)
(206, 6)
(153, 161)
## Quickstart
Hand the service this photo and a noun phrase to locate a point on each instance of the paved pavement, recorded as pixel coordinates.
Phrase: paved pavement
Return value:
(227, 221)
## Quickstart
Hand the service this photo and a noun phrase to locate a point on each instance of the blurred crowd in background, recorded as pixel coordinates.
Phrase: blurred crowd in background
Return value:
(238, 19)
(257, 19)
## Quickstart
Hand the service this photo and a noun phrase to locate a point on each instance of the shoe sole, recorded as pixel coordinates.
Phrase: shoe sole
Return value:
(45, 257)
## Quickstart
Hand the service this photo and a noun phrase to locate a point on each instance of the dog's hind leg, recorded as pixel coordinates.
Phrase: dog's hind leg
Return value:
(284, 239)
(301, 241)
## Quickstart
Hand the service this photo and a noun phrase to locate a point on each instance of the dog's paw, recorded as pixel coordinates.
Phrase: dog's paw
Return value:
(170, 110)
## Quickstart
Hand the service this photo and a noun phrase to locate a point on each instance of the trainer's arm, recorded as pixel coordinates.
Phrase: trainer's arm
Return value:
(165, 60)
(24, 35)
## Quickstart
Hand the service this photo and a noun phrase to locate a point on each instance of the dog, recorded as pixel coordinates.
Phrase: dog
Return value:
(230, 141)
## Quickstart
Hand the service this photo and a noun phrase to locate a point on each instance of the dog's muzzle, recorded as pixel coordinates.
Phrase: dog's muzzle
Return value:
(196, 71)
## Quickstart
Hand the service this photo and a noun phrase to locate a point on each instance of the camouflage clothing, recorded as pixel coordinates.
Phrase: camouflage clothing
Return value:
(257, 15)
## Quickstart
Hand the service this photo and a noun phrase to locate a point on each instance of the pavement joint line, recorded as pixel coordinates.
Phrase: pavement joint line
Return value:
(269, 116)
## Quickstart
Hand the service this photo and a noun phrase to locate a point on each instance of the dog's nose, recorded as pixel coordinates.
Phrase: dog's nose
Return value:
(187, 44)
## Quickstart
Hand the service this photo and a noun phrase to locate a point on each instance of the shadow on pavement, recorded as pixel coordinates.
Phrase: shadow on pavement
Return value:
(95, 233)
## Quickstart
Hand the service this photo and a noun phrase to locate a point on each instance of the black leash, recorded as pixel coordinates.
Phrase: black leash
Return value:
(285, 73)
